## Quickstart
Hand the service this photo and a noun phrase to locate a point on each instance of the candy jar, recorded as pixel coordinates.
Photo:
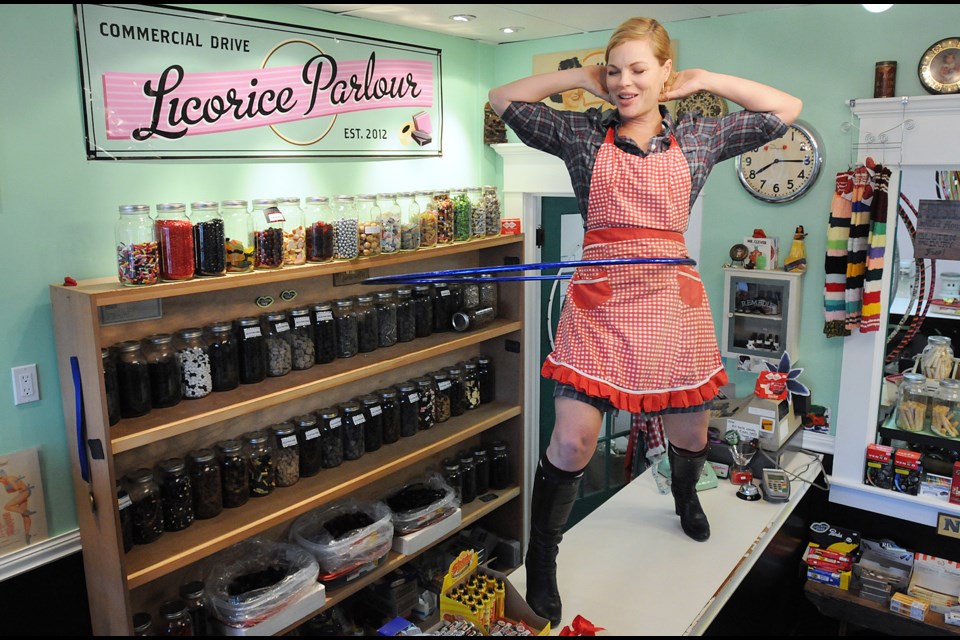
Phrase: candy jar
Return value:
(499, 465)
(490, 204)
(406, 321)
(176, 494)
(175, 235)
(409, 221)
(259, 463)
(268, 222)
(386, 318)
(294, 236)
(346, 228)
(133, 379)
(145, 505)
(912, 402)
(286, 454)
(458, 401)
(319, 228)
(428, 219)
(373, 425)
(300, 337)
(234, 476)
(194, 356)
(425, 389)
(390, 216)
(331, 436)
(209, 245)
(111, 386)
(444, 208)
(486, 377)
(251, 349)
(324, 332)
(442, 307)
(478, 218)
(390, 406)
(311, 447)
(368, 333)
(166, 380)
(224, 356)
(354, 421)
(345, 320)
(423, 310)
(945, 409)
(370, 232)
(238, 235)
(441, 396)
(489, 292)
(138, 252)
(276, 327)
(409, 400)
(936, 359)
(205, 483)
(175, 620)
(473, 319)
(462, 215)
(471, 385)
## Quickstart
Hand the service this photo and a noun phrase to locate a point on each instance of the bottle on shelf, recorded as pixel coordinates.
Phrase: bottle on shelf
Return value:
(193, 355)
(429, 222)
(370, 232)
(490, 204)
(390, 217)
(294, 235)
(268, 222)
(346, 228)
(176, 494)
(138, 251)
(238, 235)
(318, 222)
(166, 379)
(409, 221)
(209, 241)
(478, 218)
(175, 235)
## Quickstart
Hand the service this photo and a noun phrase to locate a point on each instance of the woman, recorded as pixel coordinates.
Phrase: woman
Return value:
(636, 338)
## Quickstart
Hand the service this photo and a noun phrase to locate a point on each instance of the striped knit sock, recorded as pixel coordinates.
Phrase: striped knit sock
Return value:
(835, 263)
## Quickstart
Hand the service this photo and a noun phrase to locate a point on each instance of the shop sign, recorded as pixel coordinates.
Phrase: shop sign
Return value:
(163, 83)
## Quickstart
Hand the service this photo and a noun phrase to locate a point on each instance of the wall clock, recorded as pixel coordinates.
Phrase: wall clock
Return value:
(939, 68)
(783, 169)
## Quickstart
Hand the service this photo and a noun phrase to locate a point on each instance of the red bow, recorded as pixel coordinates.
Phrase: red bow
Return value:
(581, 627)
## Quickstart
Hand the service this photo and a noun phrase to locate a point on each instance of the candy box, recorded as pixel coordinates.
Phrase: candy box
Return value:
(510, 226)
(955, 484)
(879, 470)
(907, 471)
(838, 539)
(762, 253)
(904, 605)
(935, 580)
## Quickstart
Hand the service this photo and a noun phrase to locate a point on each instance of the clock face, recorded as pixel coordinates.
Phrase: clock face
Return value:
(783, 169)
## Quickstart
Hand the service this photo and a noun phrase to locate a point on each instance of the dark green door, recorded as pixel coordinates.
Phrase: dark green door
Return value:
(562, 240)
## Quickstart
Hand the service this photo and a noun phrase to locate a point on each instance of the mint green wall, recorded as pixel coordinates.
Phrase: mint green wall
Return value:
(57, 209)
(825, 55)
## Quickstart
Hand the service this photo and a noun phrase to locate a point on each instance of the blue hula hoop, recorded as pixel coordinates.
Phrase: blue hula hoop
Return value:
(469, 275)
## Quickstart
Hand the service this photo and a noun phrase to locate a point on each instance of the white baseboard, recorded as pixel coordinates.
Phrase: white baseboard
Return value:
(39, 554)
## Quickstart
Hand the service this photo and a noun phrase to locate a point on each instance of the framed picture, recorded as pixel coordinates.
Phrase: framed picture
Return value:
(23, 517)
(939, 68)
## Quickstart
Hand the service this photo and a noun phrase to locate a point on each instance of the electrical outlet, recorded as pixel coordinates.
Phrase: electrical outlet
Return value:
(25, 386)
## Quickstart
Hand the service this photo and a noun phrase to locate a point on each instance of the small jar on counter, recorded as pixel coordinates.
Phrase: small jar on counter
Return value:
(311, 446)
(175, 235)
(406, 321)
(370, 232)
(138, 251)
(346, 228)
(386, 318)
(409, 400)
(267, 234)
(345, 320)
(286, 454)
(146, 508)
(409, 221)
(238, 235)
(234, 476)
(368, 331)
(390, 408)
(209, 241)
(133, 380)
(390, 215)
(224, 356)
(205, 483)
(108, 364)
(194, 356)
(324, 333)
(176, 494)
(294, 235)
(302, 345)
(276, 329)
(319, 228)
(354, 424)
(373, 422)
(425, 390)
(251, 349)
(331, 436)
(166, 380)
(260, 470)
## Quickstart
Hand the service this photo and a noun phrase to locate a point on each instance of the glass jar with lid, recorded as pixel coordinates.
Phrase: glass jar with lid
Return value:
(444, 208)
(490, 203)
(468, 477)
(175, 619)
(209, 244)
(936, 359)
(146, 509)
(331, 436)
(912, 402)
(234, 476)
(354, 424)
(462, 215)
(429, 222)
(487, 378)
(452, 475)
(386, 318)
(176, 494)
(175, 235)
(133, 379)
(311, 448)
(441, 396)
(205, 483)
(267, 234)
(409, 221)
(390, 408)
(472, 319)
(125, 516)
(194, 356)
(276, 328)
(138, 251)
(238, 235)
(370, 232)
(345, 320)
(489, 292)
(166, 381)
(478, 218)
(193, 594)
(294, 234)
(373, 425)
(224, 356)
(346, 228)
(471, 385)
(481, 461)
(458, 402)
(302, 346)
(318, 225)
(286, 454)
(108, 363)
(406, 321)
(368, 331)
(251, 349)
(259, 455)
(443, 307)
(142, 624)
(409, 400)
(945, 409)
(470, 296)
(324, 333)
(499, 465)
(425, 389)
(390, 215)
(423, 295)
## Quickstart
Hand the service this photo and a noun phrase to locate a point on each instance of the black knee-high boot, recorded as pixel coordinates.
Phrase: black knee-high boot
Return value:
(554, 492)
(685, 469)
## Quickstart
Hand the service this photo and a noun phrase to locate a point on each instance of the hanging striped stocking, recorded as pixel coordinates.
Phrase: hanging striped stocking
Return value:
(835, 262)
(857, 244)
(870, 319)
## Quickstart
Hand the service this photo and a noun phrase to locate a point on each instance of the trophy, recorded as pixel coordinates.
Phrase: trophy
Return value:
(742, 453)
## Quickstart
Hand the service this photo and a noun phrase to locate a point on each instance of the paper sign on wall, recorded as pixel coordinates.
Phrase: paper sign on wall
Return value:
(938, 230)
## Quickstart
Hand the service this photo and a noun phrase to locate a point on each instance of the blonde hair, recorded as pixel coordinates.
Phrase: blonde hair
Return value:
(642, 29)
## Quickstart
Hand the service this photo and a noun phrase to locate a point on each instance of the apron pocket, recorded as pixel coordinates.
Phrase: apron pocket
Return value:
(592, 292)
(691, 287)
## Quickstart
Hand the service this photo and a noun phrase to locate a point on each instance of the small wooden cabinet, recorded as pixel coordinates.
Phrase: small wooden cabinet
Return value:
(761, 314)
(120, 584)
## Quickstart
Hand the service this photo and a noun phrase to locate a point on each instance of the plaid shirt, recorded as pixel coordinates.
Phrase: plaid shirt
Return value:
(576, 137)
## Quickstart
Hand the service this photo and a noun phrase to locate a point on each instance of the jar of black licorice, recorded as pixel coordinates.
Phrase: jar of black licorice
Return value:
(481, 461)
(442, 304)
(441, 396)
(205, 483)
(286, 454)
(176, 494)
(224, 356)
(368, 332)
(133, 380)
(468, 473)
(487, 378)
(125, 513)
(471, 385)
(423, 310)
(259, 463)
(409, 400)
(354, 423)
(175, 619)
(267, 234)
(390, 408)
(146, 508)
(324, 333)
(373, 427)
(331, 436)
(251, 349)
(425, 390)
(142, 624)
(194, 356)
(234, 476)
(276, 329)
(209, 240)
(499, 465)
(109, 365)
(452, 475)
(300, 337)
(386, 318)
(406, 321)
(458, 401)
(166, 381)
(193, 594)
(319, 228)
(311, 446)
(345, 318)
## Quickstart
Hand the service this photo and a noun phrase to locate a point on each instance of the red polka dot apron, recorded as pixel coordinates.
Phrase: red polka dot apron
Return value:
(640, 335)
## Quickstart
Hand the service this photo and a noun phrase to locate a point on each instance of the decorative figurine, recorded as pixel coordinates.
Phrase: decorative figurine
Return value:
(797, 258)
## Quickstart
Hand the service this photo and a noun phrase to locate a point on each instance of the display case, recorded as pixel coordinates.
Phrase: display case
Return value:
(95, 314)
(761, 314)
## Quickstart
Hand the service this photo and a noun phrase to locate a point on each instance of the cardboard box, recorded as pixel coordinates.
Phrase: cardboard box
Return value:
(827, 536)
(906, 471)
(935, 486)
(955, 484)
(838, 579)
(419, 540)
(515, 607)
(762, 253)
(510, 226)
(904, 605)
(936, 581)
(879, 470)
(312, 599)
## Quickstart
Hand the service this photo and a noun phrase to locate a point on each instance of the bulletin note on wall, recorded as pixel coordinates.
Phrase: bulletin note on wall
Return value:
(938, 230)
